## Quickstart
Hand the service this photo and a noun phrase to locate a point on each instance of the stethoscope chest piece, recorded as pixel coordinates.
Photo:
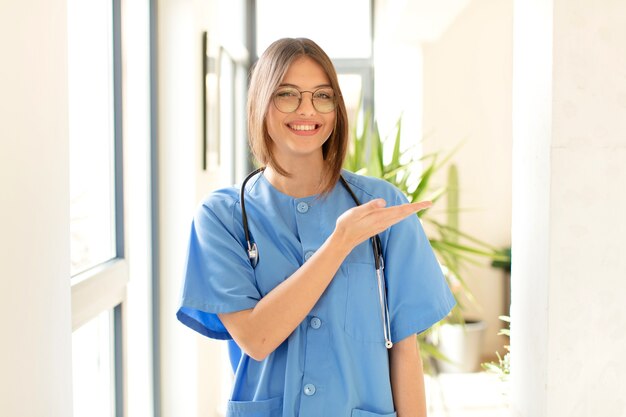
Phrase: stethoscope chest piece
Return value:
(253, 254)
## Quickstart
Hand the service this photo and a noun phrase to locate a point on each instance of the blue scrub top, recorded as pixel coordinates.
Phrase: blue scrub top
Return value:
(335, 362)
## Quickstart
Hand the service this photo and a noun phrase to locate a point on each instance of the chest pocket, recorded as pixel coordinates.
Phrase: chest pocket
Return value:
(266, 408)
(275, 265)
(363, 322)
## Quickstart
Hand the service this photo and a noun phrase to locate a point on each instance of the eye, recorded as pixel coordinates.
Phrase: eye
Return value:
(287, 93)
(324, 94)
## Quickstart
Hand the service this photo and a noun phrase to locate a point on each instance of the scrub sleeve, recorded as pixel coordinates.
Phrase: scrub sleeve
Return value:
(218, 275)
(418, 295)
(417, 292)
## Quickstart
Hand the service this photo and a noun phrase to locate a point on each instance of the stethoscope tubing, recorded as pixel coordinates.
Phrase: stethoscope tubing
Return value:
(253, 251)
(253, 254)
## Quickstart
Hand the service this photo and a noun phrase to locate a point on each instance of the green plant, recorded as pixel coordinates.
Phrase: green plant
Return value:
(452, 263)
(503, 367)
(414, 177)
(505, 263)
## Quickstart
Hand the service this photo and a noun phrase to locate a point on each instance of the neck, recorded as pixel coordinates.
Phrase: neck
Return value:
(303, 182)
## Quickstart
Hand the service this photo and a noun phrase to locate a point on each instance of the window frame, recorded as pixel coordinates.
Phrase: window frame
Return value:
(363, 67)
(104, 286)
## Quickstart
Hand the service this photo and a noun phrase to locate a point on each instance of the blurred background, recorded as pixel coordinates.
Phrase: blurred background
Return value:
(118, 116)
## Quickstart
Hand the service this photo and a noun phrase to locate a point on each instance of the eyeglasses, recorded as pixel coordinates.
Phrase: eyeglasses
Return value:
(288, 99)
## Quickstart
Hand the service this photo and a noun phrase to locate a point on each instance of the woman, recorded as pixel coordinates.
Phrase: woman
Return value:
(306, 309)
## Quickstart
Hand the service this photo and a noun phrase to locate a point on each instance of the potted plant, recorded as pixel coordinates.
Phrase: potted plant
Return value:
(413, 176)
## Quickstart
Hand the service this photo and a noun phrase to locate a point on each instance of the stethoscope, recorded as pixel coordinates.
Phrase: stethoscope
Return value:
(253, 255)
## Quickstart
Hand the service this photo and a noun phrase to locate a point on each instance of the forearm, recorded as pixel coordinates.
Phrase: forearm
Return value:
(259, 331)
(407, 378)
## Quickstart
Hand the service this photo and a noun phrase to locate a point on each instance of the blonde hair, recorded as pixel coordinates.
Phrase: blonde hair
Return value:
(267, 74)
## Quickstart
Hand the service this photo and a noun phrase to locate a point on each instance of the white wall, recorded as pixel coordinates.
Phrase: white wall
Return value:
(467, 99)
(570, 148)
(35, 352)
(178, 130)
(191, 365)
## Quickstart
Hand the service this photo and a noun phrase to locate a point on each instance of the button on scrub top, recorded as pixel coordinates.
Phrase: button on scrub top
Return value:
(335, 362)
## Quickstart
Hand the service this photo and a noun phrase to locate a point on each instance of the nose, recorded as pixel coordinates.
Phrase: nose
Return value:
(306, 104)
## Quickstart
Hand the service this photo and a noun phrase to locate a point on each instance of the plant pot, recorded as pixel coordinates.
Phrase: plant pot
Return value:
(462, 345)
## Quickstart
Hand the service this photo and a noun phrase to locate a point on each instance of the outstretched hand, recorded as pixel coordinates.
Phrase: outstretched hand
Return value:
(362, 222)
(261, 329)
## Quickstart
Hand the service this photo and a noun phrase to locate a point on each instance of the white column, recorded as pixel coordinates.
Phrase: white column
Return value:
(35, 317)
(569, 188)
(179, 99)
(189, 363)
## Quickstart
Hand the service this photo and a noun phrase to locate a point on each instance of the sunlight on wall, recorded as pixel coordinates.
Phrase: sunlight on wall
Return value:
(415, 21)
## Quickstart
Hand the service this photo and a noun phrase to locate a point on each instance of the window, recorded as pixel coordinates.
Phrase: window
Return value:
(92, 362)
(232, 100)
(98, 269)
(90, 81)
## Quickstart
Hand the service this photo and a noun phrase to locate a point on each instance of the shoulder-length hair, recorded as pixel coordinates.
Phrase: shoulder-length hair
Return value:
(267, 74)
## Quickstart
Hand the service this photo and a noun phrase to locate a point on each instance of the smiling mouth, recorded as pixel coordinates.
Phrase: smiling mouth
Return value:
(303, 128)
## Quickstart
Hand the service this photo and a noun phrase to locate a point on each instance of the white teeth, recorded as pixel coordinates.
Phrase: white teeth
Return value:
(302, 127)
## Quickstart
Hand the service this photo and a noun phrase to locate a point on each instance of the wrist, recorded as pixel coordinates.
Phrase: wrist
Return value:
(339, 243)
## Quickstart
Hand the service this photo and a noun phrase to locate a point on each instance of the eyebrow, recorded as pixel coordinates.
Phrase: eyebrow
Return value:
(298, 87)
